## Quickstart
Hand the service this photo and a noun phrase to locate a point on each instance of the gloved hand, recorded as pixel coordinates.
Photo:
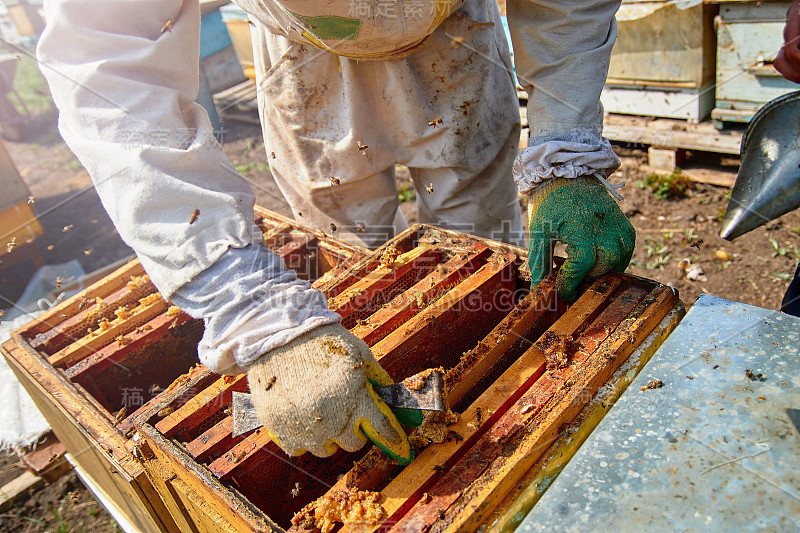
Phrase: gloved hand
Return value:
(787, 62)
(580, 213)
(313, 394)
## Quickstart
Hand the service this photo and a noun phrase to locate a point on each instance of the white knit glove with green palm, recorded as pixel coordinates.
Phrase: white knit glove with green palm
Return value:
(315, 394)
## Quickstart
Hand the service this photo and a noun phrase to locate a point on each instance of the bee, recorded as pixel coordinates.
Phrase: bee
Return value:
(165, 412)
(440, 469)
(238, 457)
(362, 147)
(270, 383)
(752, 376)
(11, 244)
(335, 181)
(696, 244)
(455, 435)
(87, 252)
(193, 218)
(360, 228)
(333, 227)
(296, 489)
(59, 281)
(357, 366)
(86, 301)
(653, 384)
(31, 200)
(478, 414)
(67, 228)
(429, 188)
(2, 313)
(50, 247)
(272, 155)
(440, 514)
(64, 315)
(299, 213)
(456, 42)
(435, 122)
(121, 415)
(168, 25)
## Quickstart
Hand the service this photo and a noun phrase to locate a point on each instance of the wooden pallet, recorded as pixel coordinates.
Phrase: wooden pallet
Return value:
(110, 352)
(427, 298)
(673, 134)
(239, 103)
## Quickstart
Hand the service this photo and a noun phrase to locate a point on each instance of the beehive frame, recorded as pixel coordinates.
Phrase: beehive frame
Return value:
(511, 405)
(76, 378)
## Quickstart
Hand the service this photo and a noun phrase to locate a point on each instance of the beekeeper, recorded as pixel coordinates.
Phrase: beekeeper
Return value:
(345, 90)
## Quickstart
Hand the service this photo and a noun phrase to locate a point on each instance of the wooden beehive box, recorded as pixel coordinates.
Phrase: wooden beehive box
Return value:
(112, 350)
(520, 366)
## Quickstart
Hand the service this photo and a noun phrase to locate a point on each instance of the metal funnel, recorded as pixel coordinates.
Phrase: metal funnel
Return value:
(768, 183)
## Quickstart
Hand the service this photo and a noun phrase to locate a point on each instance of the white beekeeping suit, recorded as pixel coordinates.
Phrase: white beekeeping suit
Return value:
(346, 90)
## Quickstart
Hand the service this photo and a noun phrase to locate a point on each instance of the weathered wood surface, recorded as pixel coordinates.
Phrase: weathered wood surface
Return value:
(497, 476)
(90, 343)
(55, 316)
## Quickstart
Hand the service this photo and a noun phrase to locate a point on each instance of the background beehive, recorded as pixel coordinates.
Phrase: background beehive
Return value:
(428, 298)
(112, 351)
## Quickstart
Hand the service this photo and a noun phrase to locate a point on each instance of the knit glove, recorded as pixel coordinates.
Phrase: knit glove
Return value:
(315, 394)
(580, 213)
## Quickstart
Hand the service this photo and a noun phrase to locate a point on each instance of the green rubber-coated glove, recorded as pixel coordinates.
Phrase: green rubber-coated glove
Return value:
(314, 394)
(580, 213)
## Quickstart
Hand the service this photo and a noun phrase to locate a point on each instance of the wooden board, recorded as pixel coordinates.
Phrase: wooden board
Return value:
(19, 487)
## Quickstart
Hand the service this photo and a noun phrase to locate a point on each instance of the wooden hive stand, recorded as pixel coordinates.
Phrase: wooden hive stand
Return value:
(111, 352)
(521, 367)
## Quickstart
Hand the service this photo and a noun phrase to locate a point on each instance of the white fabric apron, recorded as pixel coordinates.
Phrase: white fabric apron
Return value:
(448, 111)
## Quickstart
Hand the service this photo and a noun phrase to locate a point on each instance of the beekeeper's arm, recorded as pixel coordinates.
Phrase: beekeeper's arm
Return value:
(561, 52)
(124, 76)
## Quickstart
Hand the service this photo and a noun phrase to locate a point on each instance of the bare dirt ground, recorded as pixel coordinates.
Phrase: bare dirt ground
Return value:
(755, 269)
